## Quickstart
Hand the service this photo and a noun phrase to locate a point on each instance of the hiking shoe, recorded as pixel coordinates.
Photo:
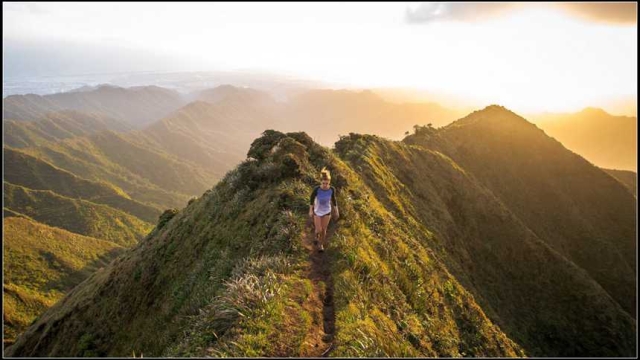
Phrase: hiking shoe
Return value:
(321, 248)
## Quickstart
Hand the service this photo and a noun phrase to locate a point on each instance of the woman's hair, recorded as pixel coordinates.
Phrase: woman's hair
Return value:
(324, 174)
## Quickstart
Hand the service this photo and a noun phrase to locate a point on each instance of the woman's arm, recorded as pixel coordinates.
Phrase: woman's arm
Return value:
(314, 193)
(334, 201)
(333, 197)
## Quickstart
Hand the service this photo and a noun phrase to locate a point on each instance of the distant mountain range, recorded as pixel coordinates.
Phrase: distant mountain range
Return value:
(605, 140)
(136, 105)
(484, 237)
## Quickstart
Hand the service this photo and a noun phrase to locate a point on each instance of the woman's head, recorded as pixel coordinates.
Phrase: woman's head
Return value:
(325, 177)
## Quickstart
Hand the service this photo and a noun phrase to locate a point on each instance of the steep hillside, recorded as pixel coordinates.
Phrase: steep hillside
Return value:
(606, 140)
(576, 208)
(41, 264)
(145, 174)
(522, 284)
(628, 178)
(137, 105)
(57, 126)
(78, 216)
(435, 267)
(33, 173)
(215, 136)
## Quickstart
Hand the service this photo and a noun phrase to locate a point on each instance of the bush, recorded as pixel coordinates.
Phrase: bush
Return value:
(166, 216)
(261, 147)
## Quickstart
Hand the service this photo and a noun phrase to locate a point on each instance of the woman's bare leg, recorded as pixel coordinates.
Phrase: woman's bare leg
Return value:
(317, 220)
(325, 225)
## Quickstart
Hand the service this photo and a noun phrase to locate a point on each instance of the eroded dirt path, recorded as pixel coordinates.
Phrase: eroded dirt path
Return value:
(319, 341)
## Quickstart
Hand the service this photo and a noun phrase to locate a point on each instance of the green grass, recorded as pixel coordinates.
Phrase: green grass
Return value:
(56, 126)
(78, 216)
(426, 261)
(41, 264)
(30, 172)
(569, 203)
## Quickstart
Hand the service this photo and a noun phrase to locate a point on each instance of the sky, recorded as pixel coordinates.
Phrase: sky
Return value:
(528, 57)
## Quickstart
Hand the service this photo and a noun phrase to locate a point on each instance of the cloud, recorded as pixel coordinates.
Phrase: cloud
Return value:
(616, 13)
(434, 11)
(32, 8)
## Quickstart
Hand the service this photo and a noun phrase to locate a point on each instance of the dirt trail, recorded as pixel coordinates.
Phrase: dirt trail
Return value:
(319, 341)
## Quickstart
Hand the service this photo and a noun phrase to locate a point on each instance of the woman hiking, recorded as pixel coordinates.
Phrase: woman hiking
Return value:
(322, 199)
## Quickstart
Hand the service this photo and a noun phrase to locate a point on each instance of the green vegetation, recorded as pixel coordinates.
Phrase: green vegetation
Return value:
(571, 205)
(41, 264)
(511, 273)
(448, 245)
(255, 214)
(57, 126)
(33, 173)
(143, 173)
(78, 216)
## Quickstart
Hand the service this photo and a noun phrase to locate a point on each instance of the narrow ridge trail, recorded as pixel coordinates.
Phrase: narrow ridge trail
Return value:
(319, 340)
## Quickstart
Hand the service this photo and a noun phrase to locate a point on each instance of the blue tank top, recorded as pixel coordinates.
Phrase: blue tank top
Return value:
(322, 205)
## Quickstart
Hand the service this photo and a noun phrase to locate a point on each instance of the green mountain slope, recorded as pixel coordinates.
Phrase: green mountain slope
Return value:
(40, 265)
(57, 126)
(144, 174)
(214, 136)
(25, 170)
(573, 206)
(520, 282)
(78, 216)
(426, 261)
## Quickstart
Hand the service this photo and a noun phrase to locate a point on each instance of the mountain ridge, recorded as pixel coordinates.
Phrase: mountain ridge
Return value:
(445, 266)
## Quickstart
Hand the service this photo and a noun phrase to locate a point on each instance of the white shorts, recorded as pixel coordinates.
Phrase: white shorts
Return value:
(322, 214)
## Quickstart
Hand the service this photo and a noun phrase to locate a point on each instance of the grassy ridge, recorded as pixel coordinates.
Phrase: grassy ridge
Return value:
(25, 170)
(145, 174)
(57, 126)
(78, 216)
(188, 282)
(41, 264)
(573, 206)
(516, 278)
(427, 260)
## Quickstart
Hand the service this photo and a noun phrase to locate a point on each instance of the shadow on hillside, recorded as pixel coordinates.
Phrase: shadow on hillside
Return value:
(74, 277)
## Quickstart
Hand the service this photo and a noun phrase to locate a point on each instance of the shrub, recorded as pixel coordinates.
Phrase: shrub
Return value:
(166, 216)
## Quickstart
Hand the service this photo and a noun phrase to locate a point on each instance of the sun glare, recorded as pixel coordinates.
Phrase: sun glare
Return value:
(532, 60)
